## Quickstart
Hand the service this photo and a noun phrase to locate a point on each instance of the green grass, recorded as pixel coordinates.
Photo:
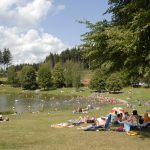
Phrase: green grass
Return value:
(33, 132)
(83, 91)
(133, 93)
(9, 89)
(69, 92)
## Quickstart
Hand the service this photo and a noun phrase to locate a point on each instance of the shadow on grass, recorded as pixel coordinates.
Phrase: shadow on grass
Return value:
(145, 133)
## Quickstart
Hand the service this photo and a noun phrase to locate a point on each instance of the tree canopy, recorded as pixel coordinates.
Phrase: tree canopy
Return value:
(28, 78)
(123, 42)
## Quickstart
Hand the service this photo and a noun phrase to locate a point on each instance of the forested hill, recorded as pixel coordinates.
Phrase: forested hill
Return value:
(73, 54)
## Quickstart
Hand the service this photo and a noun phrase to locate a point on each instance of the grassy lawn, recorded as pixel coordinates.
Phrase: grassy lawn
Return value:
(132, 95)
(33, 132)
(83, 91)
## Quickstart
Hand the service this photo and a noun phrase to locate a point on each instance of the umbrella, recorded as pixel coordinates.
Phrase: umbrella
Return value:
(118, 109)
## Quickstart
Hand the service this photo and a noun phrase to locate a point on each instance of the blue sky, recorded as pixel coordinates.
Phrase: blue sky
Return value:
(31, 29)
(65, 24)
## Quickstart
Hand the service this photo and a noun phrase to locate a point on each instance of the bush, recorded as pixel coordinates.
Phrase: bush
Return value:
(97, 81)
(114, 83)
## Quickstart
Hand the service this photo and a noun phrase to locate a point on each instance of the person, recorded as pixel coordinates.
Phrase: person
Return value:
(79, 110)
(114, 118)
(146, 117)
(133, 119)
(1, 118)
(125, 116)
(98, 124)
(141, 120)
(119, 118)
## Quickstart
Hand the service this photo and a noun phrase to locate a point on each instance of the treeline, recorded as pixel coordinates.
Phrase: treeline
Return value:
(74, 54)
(119, 50)
(56, 71)
(68, 75)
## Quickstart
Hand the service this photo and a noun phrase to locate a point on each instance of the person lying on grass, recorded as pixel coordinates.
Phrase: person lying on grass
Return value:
(3, 119)
(102, 122)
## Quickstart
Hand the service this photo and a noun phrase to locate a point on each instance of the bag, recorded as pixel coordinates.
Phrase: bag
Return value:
(120, 129)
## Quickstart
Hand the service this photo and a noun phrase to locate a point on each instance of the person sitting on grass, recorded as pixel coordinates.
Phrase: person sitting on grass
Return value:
(114, 118)
(133, 118)
(132, 121)
(146, 117)
(125, 116)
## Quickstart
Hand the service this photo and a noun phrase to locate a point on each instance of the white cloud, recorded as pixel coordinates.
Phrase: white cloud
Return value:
(31, 13)
(19, 20)
(26, 13)
(30, 47)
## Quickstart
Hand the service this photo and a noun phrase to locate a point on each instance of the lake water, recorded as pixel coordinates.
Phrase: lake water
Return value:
(35, 102)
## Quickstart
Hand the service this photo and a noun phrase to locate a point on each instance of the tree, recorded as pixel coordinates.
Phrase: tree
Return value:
(44, 76)
(12, 78)
(98, 80)
(95, 43)
(58, 77)
(68, 73)
(133, 16)
(76, 75)
(6, 57)
(114, 82)
(28, 78)
(1, 57)
(50, 60)
(146, 77)
(124, 42)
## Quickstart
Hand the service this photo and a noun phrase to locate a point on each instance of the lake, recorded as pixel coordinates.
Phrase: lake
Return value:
(29, 102)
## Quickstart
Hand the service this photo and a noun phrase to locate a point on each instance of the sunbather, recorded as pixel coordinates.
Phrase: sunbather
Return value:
(3, 119)
(98, 124)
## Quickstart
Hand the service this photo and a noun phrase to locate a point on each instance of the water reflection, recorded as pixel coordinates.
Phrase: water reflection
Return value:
(35, 102)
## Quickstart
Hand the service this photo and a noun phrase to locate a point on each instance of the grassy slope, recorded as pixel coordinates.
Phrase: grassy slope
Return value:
(33, 132)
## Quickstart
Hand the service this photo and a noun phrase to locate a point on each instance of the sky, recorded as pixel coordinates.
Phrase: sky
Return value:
(31, 29)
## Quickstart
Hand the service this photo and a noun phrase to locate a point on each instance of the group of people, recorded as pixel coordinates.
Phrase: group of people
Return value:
(119, 120)
(133, 119)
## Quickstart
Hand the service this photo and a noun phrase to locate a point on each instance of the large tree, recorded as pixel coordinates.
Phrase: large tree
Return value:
(68, 73)
(124, 42)
(57, 75)
(98, 80)
(28, 78)
(76, 75)
(44, 76)
(134, 15)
